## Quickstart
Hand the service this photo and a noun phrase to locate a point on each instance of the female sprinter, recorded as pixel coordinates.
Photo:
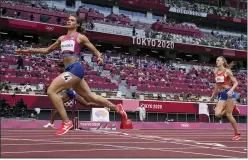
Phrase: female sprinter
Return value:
(227, 97)
(70, 45)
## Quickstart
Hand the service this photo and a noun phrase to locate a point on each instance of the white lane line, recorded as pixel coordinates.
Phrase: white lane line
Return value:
(121, 148)
(75, 150)
(69, 143)
(200, 131)
(228, 150)
(9, 138)
(200, 146)
(77, 135)
(225, 141)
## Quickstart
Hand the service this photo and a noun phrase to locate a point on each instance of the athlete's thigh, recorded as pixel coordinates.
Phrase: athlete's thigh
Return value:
(82, 88)
(62, 82)
(230, 105)
(220, 107)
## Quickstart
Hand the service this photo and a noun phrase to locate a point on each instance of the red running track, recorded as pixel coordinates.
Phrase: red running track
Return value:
(16, 143)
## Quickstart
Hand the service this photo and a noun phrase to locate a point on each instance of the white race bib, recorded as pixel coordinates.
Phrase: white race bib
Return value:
(67, 45)
(219, 79)
(66, 76)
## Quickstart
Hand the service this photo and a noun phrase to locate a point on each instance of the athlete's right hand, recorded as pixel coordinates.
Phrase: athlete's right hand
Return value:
(99, 61)
(21, 51)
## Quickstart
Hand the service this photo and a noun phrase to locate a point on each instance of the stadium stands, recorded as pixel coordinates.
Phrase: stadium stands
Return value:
(121, 24)
(148, 79)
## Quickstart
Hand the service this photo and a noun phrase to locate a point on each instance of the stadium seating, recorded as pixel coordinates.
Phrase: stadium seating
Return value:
(122, 25)
(147, 76)
(166, 80)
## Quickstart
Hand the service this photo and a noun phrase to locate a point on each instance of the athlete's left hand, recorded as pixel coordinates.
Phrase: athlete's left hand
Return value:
(100, 61)
(229, 93)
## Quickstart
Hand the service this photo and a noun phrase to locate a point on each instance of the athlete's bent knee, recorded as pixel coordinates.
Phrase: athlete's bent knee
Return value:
(218, 115)
(50, 91)
(228, 114)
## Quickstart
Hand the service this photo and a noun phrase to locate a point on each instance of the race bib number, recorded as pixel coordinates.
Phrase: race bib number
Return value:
(66, 76)
(67, 45)
(219, 79)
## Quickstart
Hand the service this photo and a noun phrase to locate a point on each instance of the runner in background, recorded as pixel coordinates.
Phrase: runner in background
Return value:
(227, 96)
(68, 98)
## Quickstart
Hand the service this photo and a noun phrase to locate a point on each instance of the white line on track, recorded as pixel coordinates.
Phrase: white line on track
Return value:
(229, 150)
(161, 135)
(239, 141)
(200, 146)
(74, 150)
(231, 147)
(98, 143)
(8, 138)
(113, 137)
(203, 131)
(123, 148)
(27, 144)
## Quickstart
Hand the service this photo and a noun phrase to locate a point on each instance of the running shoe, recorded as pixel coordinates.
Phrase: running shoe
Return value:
(121, 111)
(236, 137)
(236, 110)
(65, 127)
(49, 125)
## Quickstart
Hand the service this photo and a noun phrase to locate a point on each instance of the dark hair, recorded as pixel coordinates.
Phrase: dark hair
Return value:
(226, 65)
(80, 28)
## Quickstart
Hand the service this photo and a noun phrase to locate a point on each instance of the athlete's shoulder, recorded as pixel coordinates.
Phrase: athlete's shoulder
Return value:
(61, 37)
(228, 71)
(82, 38)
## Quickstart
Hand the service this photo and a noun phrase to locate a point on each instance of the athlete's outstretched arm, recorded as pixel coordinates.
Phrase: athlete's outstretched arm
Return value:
(47, 50)
(84, 40)
(233, 79)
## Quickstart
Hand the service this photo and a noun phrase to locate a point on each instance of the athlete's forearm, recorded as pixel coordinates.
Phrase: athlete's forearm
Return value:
(38, 50)
(214, 91)
(235, 85)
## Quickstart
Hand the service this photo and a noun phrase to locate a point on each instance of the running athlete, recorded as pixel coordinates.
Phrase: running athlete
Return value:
(235, 109)
(70, 45)
(227, 97)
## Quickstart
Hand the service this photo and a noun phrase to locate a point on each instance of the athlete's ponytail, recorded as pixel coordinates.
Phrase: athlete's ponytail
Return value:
(231, 65)
(81, 28)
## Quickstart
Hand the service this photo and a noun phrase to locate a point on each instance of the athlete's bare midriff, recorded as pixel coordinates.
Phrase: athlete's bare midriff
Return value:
(222, 88)
(69, 59)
